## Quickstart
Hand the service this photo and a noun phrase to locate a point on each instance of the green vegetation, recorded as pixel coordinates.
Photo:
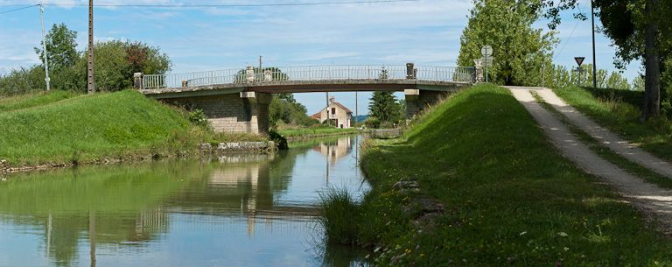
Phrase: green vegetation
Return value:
(33, 100)
(315, 131)
(509, 200)
(618, 111)
(385, 111)
(284, 111)
(40, 129)
(520, 50)
(338, 211)
(116, 61)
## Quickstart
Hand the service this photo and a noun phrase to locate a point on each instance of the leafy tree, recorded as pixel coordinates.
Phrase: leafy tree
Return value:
(116, 61)
(384, 107)
(61, 47)
(520, 50)
(617, 81)
(62, 56)
(638, 83)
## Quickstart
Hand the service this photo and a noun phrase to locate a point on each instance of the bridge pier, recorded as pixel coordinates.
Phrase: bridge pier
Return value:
(246, 112)
(417, 100)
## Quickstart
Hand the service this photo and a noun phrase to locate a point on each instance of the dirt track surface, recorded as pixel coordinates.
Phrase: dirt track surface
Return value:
(651, 199)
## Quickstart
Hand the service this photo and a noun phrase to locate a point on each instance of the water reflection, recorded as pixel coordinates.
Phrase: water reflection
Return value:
(232, 210)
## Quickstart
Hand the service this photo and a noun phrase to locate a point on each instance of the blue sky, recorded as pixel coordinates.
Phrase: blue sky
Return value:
(425, 32)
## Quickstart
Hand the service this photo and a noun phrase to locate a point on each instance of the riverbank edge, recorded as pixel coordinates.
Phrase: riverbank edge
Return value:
(140, 155)
(405, 204)
(318, 135)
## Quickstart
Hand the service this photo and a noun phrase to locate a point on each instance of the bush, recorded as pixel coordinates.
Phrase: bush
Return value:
(279, 140)
(198, 117)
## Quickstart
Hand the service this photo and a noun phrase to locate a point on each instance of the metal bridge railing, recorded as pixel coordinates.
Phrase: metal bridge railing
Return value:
(306, 73)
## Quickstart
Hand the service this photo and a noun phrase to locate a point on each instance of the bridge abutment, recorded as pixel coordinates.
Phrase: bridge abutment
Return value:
(417, 100)
(246, 112)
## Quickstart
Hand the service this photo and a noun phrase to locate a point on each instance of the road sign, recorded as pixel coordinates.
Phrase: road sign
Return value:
(579, 60)
(487, 61)
(486, 51)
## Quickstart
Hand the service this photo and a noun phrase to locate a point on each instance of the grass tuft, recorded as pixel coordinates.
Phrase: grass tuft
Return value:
(340, 213)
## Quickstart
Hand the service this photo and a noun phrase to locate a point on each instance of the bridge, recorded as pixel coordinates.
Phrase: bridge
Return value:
(236, 100)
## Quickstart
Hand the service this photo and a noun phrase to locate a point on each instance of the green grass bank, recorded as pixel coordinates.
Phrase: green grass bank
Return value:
(297, 133)
(619, 111)
(63, 128)
(509, 198)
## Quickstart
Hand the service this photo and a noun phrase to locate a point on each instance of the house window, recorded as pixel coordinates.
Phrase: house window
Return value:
(333, 111)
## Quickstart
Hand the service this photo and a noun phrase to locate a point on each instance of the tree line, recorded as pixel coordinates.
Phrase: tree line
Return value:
(115, 63)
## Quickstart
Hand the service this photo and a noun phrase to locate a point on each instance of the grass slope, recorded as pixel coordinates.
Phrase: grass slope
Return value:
(33, 100)
(85, 127)
(618, 112)
(510, 198)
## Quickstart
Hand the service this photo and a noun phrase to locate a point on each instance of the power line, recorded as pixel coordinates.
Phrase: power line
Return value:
(17, 9)
(238, 5)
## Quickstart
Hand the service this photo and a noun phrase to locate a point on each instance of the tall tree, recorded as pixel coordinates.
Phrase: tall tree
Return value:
(520, 50)
(385, 107)
(61, 47)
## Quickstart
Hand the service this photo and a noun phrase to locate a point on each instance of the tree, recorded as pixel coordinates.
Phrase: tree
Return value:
(61, 47)
(384, 107)
(116, 61)
(639, 31)
(638, 83)
(520, 51)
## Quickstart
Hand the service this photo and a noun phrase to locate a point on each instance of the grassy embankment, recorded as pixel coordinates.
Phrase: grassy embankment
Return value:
(62, 128)
(509, 198)
(297, 133)
(619, 111)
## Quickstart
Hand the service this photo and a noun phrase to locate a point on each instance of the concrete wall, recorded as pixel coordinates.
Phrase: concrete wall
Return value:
(417, 100)
(232, 113)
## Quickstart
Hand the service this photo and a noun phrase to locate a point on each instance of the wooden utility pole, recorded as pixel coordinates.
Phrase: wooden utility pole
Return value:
(592, 18)
(91, 81)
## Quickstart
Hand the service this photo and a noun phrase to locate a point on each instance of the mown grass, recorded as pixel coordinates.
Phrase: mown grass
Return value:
(618, 112)
(92, 127)
(606, 153)
(33, 100)
(315, 131)
(509, 198)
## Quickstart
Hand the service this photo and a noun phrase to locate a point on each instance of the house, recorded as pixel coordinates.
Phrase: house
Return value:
(338, 115)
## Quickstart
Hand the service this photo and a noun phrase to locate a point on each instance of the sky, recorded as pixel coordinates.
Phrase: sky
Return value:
(425, 32)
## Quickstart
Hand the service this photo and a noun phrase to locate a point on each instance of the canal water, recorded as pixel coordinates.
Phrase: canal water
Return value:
(238, 210)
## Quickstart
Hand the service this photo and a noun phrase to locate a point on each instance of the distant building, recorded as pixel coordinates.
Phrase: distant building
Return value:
(339, 115)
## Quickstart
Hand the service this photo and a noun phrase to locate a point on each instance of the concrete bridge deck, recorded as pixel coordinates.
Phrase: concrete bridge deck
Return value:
(237, 100)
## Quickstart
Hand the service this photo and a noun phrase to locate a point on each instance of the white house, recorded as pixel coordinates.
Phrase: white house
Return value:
(339, 115)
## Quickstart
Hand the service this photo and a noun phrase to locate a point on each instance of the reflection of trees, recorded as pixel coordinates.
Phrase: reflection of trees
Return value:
(65, 202)
(130, 205)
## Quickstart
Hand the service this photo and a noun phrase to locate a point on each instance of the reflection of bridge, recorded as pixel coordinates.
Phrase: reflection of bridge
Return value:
(237, 100)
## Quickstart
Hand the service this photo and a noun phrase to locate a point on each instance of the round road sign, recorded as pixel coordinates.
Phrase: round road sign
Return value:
(486, 51)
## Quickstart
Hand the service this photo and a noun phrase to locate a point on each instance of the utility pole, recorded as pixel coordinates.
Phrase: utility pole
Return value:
(356, 110)
(327, 108)
(44, 48)
(260, 63)
(592, 17)
(91, 81)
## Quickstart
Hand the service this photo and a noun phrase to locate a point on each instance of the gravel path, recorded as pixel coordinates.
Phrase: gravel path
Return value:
(654, 201)
(606, 137)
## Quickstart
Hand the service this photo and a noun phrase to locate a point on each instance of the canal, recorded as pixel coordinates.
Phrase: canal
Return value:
(234, 210)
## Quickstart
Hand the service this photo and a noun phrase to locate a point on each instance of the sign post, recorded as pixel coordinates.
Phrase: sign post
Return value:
(579, 61)
(486, 51)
